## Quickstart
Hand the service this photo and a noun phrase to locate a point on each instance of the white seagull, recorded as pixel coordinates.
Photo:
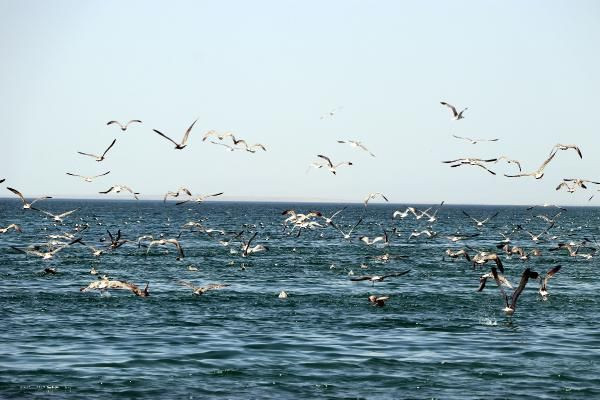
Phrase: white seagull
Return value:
(178, 146)
(332, 167)
(475, 141)
(124, 127)
(119, 188)
(357, 145)
(102, 157)
(456, 115)
(88, 178)
(27, 205)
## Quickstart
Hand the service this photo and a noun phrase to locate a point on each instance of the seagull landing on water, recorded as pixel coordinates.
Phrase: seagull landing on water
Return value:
(105, 284)
(124, 127)
(198, 291)
(510, 309)
(27, 205)
(455, 114)
(103, 156)
(182, 145)
(543, 291)
(474, 141)
(88, 178)
(357, 145)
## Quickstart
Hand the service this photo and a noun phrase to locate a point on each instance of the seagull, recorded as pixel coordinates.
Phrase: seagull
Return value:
(374, 195)
(543, 291)
(123, 127)
(329, 220)
(378, 301)
(178, 146)
(99, 158)
(177, 193)
(201, 290)
(567, 147)
(247, 250)
(44, 255)
(217, 134)
(105, 284)
(537, 174)
(356, 144)
(474, 141)
(161, 242)
(569, 188)
(458, 253)
(11, 226)
(249, 148)
(483, 280)
(376, 239)
(549, 220)
(457, 237)
(57, 217)
(27, 205)
(537, 238)
(379, 278)
(456, 115)
(483, 257)
(119, 188)
(432, 218)
(510, 309)
(404, 214)
(88, 178)
(478, 222)
(199, 199)
(471, 161)
(332, 167)
(547, 205)
(426, 232)
(347, 235)
(116, 243)
(580, 182)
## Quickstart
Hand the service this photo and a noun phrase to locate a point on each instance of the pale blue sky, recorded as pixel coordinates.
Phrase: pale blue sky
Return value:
(267, 70)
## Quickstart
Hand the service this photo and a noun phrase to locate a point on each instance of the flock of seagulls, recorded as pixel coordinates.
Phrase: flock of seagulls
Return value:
(294, 223)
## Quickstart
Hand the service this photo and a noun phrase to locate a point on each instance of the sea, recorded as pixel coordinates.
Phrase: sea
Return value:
(435, 338)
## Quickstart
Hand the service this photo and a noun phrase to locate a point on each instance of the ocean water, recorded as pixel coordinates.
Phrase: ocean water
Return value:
(436, 337)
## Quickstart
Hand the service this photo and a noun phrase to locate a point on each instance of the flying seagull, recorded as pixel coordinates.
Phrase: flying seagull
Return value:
(471, 161)
(456, 115)
(537, 174)
(199, 199)
(11, 226)
(373, 196)
(178, 146)
(475, 141)
(162, 242)
(218, 135)
(123, 127)
(26, 204)
(357, 145)
(99, 158)
(88, 178)
(119, 188)
(347, 235)
(379, 278)
(332, 167)
(543, 291)
(479, 223)
(56, 217)
(177, 193)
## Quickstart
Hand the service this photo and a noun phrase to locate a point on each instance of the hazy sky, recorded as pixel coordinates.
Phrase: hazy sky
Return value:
(267, 70)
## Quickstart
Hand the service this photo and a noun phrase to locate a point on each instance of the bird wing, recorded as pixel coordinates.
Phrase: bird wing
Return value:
(326, 159)
(499, 283)
(109, 147)
(40, 198)
(541, 168)
(133, 120)
(524, 278)
(449, 106)
(358, 223)
(88, 154)
(187, 133)
(68, 173)
(98, 176)
(108, 191)
(166, 137)
(395, 274)
(361, 278)
(67, 213)
(188, 284)
(115, 122)
(551, 273)
(223, 144)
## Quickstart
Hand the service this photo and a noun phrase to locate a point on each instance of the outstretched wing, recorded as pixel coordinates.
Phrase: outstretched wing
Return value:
(166, 137)
(187, 133)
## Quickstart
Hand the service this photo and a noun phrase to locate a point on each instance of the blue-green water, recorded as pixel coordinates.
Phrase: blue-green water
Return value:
(435, 338)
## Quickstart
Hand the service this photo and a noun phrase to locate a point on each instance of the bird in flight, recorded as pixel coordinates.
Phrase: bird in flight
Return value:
(475, 141)
(103, 156)
(123, 127)
(88, 178)
(178, 146)
(333, 168)
(510, 308)
(456, 115)
(357, 145)
(119, 188)
(27, 205)
(379, 278)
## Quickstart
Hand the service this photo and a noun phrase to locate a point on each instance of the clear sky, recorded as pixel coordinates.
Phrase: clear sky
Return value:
(267, 70)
